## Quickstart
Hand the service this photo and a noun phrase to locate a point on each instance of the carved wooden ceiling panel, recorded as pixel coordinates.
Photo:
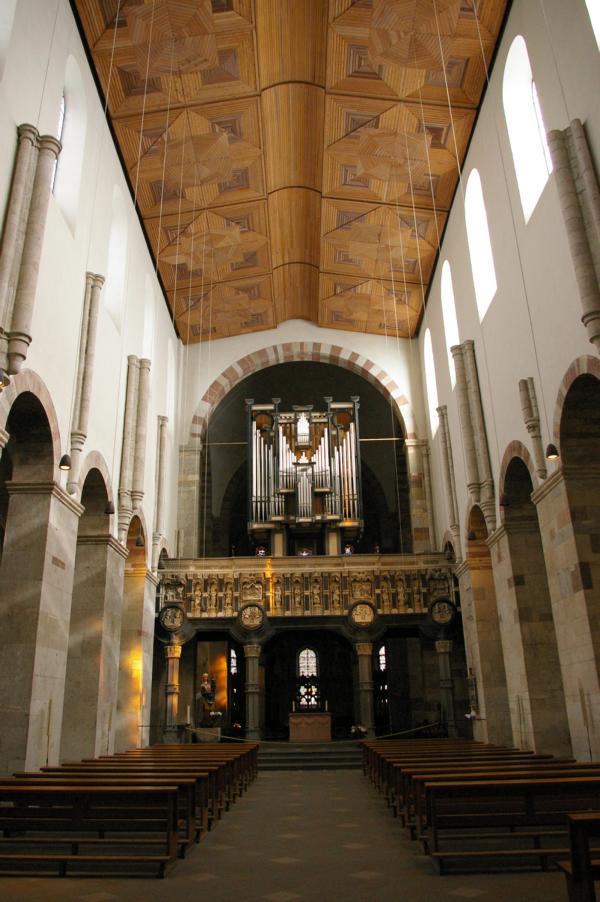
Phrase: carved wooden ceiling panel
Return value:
(292, 158)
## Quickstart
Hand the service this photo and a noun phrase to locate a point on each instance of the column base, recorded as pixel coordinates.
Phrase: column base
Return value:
(171, 735)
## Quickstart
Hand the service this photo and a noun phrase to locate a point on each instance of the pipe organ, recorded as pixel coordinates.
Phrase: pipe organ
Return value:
(304, 468)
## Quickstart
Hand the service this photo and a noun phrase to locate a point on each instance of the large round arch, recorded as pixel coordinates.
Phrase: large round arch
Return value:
(288, 352)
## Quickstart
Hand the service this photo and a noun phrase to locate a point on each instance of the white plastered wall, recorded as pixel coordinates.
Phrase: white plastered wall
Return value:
(203, 363)
(532, 327)
(43, 37)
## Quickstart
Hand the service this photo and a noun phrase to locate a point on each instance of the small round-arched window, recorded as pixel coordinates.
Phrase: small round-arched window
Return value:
(233, 667)
(307, 662)
(382, 658)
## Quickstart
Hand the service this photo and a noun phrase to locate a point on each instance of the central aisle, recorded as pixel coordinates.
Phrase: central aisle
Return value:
(302, 836)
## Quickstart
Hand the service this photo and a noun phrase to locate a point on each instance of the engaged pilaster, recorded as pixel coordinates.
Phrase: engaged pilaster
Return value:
(20, 332)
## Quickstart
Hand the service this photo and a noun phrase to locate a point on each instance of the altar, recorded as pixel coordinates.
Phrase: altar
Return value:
(313, 726)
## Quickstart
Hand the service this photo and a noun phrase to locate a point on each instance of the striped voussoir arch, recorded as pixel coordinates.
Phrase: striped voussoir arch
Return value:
(292, 351)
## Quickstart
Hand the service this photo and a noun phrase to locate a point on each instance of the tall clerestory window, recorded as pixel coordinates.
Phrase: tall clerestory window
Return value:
(593, 8)
(449, 315)
(430, 382)
(525, 125)
(480, 245)
(59, 134)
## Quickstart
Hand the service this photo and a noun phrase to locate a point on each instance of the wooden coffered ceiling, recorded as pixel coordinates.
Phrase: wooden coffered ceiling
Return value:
(292, 158)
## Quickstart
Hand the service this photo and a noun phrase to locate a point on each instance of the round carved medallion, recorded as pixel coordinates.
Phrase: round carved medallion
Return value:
(252, 617)
(171, 617)
(362, 614)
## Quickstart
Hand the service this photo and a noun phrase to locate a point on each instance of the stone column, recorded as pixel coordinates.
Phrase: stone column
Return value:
(135, 664)
(129, 422)
(94, 640)
(12, 234)
(449, 483)
(188, 496)
(428, 496)
(419, 513)
(581, 255)
(487, 501)
(364, 652)
(173, 656)
(161, 463)
(444, 652)
(572, 582)
(533, 678)
(85, 375)
(252, 655)
(484, 649)
(531, 417)
(139, 457)
(466, 426)
(36, 582)
(20, 330)
(4, 437)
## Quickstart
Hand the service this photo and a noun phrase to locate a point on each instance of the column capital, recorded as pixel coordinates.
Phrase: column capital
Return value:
(132, 360)
(97, 280)
(162, 420)
(29, 132)
(49, 142)
(252, 651)
(145, 363)
(173, 651)
(364, 648)
(443, 646)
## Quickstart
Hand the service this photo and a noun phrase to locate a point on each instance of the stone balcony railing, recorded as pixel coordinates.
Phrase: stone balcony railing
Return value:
(306, 586)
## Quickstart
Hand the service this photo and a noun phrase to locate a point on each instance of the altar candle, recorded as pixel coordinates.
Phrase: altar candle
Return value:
(326, 706)
(187, 717)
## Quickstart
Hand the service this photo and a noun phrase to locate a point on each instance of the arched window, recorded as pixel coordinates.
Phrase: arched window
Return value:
(480, 246)
(307, 662)
(449, 314)
(7, 16)
(593, 8)
(170, 400)
(117, 259)
(148, 334)
(430, 383)
(382, 658)
(60, 135)
(525, 125)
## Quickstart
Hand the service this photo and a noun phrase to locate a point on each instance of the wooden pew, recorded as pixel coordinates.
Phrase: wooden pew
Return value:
(582, 870)
(540, 771)
(60, 810)
(533, 806)
(187, 816)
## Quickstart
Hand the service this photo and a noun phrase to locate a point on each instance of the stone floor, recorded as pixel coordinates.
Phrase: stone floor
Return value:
(306, 836)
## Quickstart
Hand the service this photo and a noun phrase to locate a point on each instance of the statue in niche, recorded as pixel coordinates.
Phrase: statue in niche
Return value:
(212, 597)
(336, 596)
(228, 598)
(277, 595)
(386, 598)
(315, 593)
(173, 590)
(197, 598)
(208, 692)
(400, 590)
(297, 595)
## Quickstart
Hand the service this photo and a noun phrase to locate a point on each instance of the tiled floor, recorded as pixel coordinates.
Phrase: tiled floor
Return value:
(312, 836)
